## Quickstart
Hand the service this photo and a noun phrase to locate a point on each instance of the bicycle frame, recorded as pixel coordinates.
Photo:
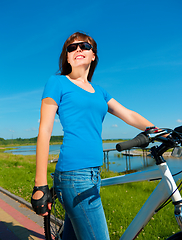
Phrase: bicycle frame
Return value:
(163, 190)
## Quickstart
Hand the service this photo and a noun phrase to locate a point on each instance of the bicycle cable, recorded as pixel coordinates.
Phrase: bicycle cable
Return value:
(167, 200)
(177, 173)
(154, 179)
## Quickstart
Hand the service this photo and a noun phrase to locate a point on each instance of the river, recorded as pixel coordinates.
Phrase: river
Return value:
(117, 161)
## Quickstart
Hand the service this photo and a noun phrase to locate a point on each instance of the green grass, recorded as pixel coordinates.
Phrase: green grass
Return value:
(121, 203)
(18, 174)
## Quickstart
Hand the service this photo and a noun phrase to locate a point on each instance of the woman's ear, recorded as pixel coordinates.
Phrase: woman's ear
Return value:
(93, 58)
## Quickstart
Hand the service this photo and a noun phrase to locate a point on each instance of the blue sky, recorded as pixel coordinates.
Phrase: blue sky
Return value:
(140, 58)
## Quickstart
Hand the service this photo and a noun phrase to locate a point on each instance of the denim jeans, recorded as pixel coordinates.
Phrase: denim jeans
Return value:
(78, 191)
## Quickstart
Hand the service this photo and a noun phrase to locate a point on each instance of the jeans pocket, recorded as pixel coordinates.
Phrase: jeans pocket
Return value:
(88, 191)
(90, 195)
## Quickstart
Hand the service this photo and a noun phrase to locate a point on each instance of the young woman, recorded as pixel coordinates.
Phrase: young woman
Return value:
(81, 106)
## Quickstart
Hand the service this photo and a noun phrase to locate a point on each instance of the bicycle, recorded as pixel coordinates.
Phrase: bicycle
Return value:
(165, 190)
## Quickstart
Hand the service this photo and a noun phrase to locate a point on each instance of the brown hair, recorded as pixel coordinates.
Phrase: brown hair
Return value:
(65, 67)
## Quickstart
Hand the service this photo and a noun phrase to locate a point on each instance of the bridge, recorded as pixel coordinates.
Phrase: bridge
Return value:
(127, 154)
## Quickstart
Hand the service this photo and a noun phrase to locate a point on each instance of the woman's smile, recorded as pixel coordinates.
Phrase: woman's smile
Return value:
(80, 56)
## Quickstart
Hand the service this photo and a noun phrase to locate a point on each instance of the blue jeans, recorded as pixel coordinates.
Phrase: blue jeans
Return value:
(78, 191)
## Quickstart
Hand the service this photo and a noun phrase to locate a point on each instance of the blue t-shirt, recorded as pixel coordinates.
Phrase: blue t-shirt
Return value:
(81, 114)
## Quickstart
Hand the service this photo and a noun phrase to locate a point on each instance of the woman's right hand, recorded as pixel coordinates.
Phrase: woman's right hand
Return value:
(38, 195)
(41, 200)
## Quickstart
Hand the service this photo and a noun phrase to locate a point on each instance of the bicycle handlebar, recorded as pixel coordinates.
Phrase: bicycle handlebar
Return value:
(143, 139)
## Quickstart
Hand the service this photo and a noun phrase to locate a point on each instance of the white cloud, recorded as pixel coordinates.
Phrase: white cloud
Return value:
(31, 129)
(56, 120)
(11, 130)
(179, 120)
(114, 125)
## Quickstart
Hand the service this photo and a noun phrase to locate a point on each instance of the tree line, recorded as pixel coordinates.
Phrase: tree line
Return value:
(22, 141)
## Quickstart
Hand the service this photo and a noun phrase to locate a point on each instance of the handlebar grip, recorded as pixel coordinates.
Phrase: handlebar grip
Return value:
(141, 140)
(178, 129)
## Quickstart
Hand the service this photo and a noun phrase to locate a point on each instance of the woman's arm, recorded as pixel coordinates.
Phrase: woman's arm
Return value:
(130, 117)
(48, 111)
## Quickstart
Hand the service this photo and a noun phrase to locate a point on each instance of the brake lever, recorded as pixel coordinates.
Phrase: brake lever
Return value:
(155, 134)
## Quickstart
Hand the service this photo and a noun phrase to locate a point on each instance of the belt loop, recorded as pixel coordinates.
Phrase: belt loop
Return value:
(92, 174)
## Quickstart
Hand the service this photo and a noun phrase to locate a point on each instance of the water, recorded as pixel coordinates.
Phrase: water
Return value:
(117, 162)
(31, 150)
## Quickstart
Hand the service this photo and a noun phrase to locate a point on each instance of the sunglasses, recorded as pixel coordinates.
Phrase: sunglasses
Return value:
(83, 46)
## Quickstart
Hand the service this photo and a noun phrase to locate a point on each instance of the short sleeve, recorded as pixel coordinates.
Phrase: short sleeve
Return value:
(107, 96)
(53, 89)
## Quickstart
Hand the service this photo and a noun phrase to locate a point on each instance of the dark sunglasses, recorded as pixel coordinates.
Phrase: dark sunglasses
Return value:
(83, 46)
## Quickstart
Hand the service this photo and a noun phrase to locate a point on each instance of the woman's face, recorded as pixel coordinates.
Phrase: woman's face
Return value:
(80, 57)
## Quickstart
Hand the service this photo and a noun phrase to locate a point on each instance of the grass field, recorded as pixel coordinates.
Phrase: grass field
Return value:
(121, 202)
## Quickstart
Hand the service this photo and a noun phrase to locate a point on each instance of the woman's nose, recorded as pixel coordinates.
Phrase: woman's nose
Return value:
(79, 49)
